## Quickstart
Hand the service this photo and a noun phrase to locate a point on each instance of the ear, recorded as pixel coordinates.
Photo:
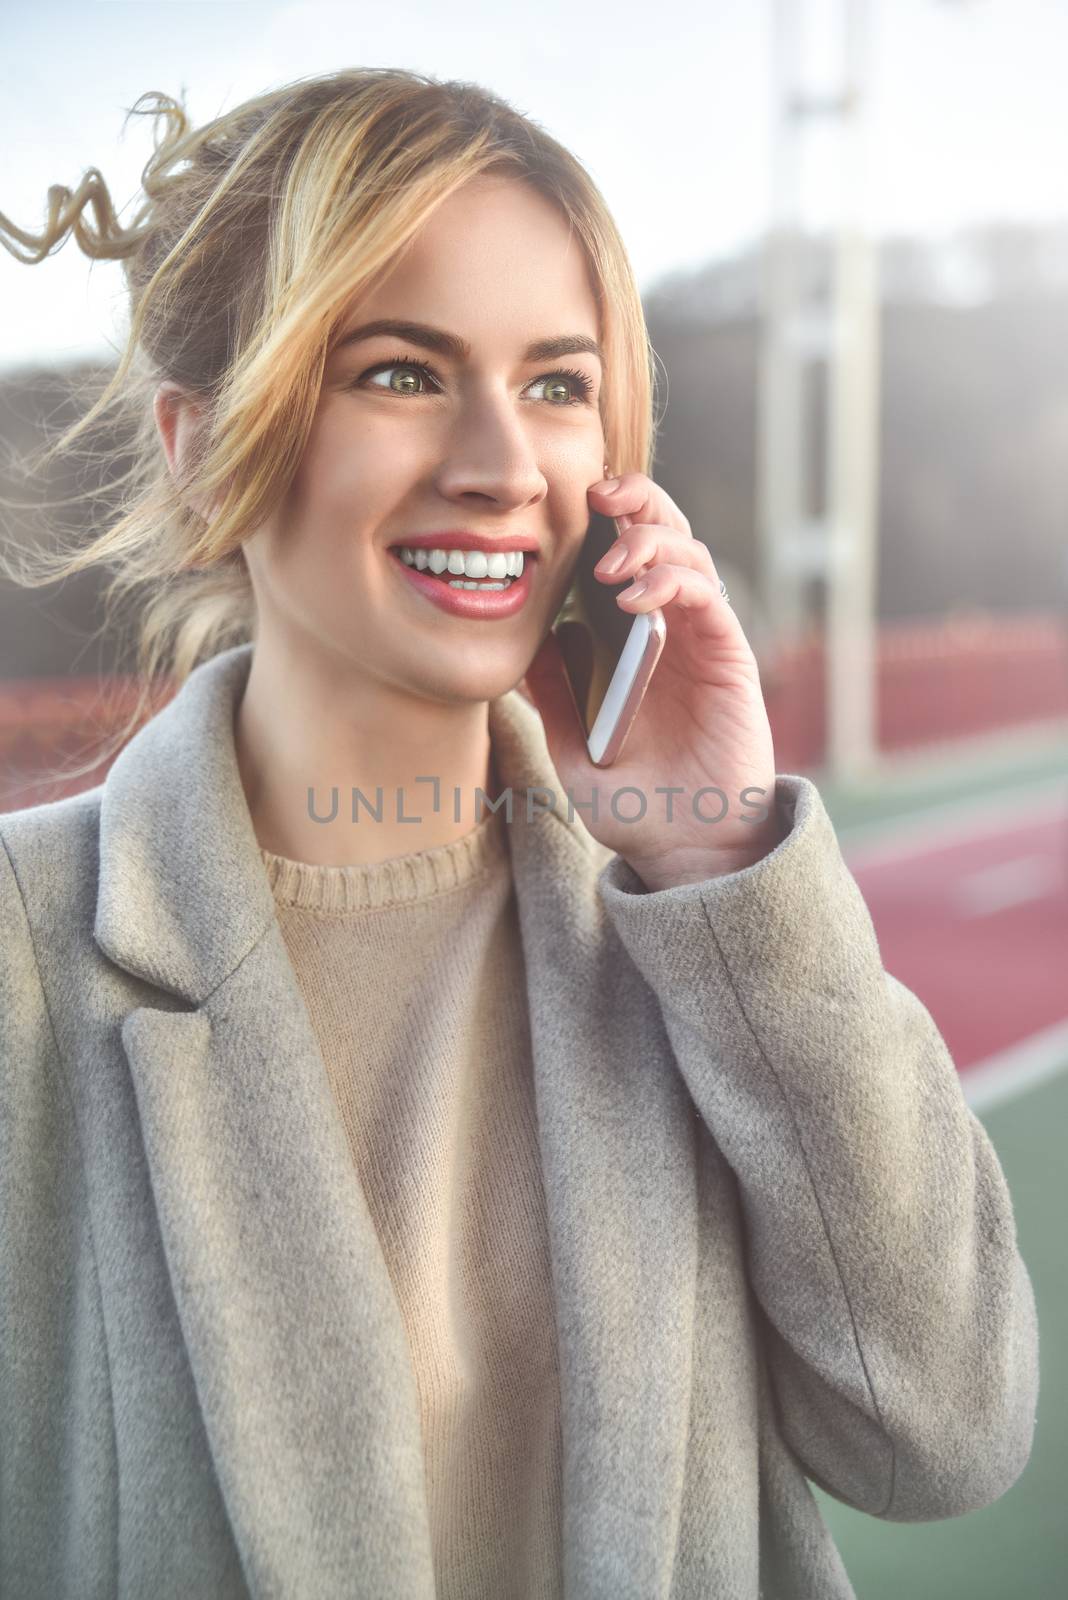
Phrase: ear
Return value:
(179, 417)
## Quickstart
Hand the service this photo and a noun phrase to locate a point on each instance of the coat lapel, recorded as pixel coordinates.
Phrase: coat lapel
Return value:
(294, 1335)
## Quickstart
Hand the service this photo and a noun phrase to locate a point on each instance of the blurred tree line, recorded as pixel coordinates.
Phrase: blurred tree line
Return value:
(974, 438)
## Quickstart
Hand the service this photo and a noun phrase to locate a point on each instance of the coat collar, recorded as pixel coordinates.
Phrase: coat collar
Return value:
(174, 817)
(293, 1331)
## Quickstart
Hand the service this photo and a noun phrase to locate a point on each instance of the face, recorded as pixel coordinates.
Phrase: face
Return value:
(489, 443)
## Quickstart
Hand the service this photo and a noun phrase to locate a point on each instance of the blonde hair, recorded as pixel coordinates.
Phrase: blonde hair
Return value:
(257, 232)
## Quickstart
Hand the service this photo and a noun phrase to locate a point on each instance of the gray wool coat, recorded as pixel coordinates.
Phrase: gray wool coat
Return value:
(782, 1245)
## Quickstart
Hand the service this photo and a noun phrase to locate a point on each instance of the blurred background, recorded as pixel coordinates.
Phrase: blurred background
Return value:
(849, 222)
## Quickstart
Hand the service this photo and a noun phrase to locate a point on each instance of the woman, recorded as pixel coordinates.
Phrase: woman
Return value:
(518, 1201)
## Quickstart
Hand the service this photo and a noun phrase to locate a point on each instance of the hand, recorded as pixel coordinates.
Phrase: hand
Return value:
(702, 724)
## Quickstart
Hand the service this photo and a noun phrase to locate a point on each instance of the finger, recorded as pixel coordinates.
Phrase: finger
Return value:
(669, 584)
(644, 545)
(640, 500)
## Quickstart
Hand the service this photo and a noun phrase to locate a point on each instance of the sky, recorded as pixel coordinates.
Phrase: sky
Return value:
(670, 106)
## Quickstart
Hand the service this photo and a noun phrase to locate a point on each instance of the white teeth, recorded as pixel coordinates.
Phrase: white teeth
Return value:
(470, 564)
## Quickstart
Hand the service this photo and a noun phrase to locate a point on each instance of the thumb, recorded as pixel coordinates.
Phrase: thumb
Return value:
(554, 699)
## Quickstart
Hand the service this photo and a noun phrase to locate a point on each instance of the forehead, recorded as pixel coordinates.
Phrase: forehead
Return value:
(496, 260)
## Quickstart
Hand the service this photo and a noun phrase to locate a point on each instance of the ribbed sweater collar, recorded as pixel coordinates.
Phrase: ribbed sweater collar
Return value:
(400, 879)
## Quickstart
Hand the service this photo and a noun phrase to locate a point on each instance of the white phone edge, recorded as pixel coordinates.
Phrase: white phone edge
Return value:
(618, 689)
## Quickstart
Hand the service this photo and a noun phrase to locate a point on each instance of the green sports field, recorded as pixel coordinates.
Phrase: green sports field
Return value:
(1016, 1549)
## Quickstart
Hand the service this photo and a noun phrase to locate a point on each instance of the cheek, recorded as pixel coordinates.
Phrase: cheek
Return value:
(574, 452)
(357, 462)
(340, 473)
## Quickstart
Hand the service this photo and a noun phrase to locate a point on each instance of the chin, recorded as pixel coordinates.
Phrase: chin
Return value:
(475, 684)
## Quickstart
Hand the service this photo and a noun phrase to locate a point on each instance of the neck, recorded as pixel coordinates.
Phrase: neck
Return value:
(309, 726)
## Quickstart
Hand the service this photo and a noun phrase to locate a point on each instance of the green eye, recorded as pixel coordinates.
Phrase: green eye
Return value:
(407, 383)
(567, 387)
(405, 377)
(576, 386)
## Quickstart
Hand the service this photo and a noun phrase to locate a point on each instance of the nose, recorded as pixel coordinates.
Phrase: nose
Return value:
(490, 454)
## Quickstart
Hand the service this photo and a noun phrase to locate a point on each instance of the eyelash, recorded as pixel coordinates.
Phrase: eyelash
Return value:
(585, 383)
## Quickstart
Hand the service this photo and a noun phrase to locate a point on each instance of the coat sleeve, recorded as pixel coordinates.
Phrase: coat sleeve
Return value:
(901, 1332)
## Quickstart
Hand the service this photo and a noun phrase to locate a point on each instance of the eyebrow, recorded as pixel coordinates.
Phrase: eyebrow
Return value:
(457, 349)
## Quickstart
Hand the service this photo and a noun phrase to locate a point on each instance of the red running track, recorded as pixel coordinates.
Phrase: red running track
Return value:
(977, 927)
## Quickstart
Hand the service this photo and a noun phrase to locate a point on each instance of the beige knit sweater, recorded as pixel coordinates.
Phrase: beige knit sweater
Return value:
(412, 973)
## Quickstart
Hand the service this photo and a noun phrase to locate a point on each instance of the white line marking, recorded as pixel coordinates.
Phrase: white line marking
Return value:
(1012, 1072)
(954, 822)
(1009, 883)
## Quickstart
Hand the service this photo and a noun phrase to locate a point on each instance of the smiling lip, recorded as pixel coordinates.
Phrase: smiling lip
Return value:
(483, 605)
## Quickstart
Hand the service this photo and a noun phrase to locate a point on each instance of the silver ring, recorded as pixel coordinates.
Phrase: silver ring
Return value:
(723, 592)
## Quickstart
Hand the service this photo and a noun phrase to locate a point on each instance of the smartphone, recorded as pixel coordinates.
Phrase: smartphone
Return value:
(609, 657)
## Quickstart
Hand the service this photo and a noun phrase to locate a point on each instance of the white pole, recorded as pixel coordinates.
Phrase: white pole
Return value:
(853, 445)
(780, 485)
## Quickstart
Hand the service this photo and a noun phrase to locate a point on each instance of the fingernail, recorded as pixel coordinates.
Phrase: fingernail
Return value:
(609, 486)
(634, 591)
(614, 559)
